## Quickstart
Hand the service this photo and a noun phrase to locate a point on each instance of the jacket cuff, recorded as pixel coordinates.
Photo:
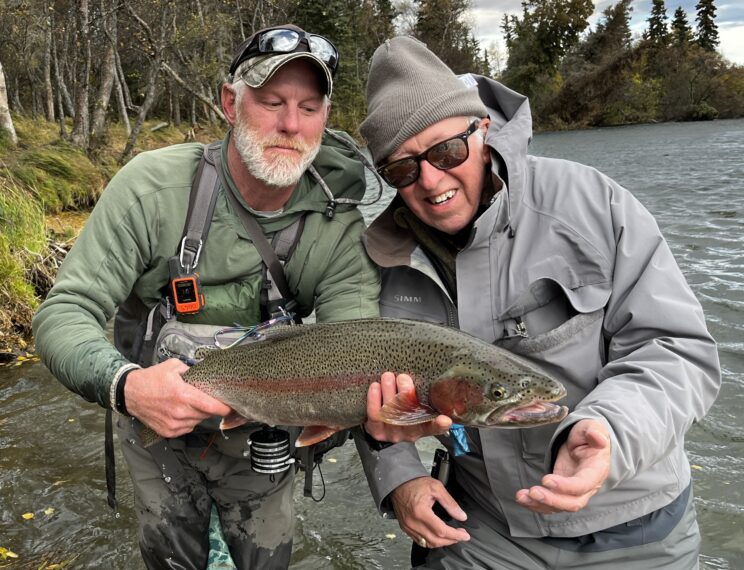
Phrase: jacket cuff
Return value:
(387, 469)
(114, 383)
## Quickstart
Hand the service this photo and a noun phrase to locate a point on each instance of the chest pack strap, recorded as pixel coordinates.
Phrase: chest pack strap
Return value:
(284, 241)
(202, 199)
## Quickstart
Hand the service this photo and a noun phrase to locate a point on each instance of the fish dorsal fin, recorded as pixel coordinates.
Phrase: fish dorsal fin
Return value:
(406, 410)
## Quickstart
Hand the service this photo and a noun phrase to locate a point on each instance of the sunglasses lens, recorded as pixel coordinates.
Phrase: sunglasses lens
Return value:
(324, 50)
(448, 154)
(400, 173)
(280, 41)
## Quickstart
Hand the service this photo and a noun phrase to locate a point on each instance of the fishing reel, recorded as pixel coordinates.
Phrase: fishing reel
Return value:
(270, 451)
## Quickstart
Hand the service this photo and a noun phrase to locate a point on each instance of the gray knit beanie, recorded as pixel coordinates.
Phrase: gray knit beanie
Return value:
(408, 90)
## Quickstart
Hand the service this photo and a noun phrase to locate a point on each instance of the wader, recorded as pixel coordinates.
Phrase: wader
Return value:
(667, 539)
(175, 485)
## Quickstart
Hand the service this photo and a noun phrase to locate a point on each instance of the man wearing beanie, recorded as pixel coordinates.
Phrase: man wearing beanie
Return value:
(184, 237)
(557, 262)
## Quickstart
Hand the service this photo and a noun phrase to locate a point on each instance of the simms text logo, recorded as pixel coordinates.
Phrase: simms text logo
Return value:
(408, 299)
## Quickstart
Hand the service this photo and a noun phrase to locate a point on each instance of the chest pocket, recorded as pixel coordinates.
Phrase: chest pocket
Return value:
(561, 330)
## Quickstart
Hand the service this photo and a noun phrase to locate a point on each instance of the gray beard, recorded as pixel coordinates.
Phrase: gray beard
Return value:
(282, 172)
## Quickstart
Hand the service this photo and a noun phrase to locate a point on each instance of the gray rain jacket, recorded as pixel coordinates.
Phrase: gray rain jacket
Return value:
(569, 269)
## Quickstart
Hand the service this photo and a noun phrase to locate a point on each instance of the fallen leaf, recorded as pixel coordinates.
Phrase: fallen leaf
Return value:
(391, 536)
(697, 467)
(28, 516)
(332, 460)
(49, 511)
(5, 553)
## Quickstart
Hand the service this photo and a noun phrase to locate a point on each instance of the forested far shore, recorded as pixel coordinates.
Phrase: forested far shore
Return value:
(126, 61)
(86, 85)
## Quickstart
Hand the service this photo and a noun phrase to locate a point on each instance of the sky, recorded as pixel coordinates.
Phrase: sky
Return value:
(487, 15)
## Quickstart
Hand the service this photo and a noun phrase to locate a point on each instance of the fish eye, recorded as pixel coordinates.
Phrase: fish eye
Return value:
(497, 391)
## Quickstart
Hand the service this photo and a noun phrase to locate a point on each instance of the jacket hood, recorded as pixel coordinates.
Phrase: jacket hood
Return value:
(509, 135)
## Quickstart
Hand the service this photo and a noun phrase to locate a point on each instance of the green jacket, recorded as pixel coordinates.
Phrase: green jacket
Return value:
(137, 225)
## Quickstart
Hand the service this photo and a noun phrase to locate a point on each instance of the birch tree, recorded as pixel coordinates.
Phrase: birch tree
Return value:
(6, 121)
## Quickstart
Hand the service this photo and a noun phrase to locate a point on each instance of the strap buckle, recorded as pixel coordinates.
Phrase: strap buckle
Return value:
(193, 265)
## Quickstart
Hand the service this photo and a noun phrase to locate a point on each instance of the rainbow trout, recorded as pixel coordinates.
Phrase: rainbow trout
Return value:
(317, 376)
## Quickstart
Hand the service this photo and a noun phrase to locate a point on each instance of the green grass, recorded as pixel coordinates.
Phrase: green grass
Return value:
(41, 176)
(22, 243)
(60, 176)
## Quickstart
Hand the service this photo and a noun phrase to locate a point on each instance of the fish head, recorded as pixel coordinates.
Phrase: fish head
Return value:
(475, 397)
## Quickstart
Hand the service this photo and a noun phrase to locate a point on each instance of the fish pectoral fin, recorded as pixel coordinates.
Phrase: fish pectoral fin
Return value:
(233, 420)
(313, 434)
(406, 410)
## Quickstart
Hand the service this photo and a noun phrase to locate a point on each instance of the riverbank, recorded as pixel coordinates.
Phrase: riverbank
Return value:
(47, 188)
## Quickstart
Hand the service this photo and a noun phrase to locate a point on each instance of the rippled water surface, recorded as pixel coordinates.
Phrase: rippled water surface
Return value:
(688, 175)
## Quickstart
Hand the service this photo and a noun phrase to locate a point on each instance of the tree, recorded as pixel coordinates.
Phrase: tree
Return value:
(538, 41)
(6, 121)
(611, 36)
(81, 124)
(658, 32)
(707, 29)
(681, 31)
(441, 25)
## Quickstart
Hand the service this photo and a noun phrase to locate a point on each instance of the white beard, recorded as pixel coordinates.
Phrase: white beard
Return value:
(280, 171)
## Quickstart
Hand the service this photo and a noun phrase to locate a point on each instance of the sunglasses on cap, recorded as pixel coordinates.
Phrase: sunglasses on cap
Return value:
(443, 155)
(287, 40)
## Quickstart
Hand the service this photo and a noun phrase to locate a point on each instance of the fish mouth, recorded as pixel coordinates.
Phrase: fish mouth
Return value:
(536, 413)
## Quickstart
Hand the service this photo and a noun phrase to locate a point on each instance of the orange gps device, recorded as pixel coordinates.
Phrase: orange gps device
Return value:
(187, 296)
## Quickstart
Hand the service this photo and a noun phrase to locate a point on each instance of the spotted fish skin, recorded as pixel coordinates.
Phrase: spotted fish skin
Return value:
(319, 374)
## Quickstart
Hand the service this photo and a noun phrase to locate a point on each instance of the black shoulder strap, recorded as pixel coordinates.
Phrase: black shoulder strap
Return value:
(204, 190)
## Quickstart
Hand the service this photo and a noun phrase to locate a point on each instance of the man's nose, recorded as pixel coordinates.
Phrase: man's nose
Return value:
(429, 176)
(289, 121)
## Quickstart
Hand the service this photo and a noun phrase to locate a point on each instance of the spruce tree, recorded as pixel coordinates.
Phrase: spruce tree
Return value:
(707, 30)
(658, 32)
(681, 31)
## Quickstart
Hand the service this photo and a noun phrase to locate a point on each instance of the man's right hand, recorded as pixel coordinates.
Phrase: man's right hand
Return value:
(385, 392)
(413, 502)
(159, 398)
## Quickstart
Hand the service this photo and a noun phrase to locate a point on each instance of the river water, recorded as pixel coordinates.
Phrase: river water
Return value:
(689, 175)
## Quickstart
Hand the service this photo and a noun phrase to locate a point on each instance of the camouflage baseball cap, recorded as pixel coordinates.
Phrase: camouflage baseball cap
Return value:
(261, 69)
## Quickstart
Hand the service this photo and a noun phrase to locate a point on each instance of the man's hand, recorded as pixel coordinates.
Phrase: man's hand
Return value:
(413, 502)
(385, 391)
(159, 398)
(581, 467)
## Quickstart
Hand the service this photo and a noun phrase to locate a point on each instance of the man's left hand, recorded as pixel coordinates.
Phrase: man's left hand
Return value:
(581, 467)
(385, 391)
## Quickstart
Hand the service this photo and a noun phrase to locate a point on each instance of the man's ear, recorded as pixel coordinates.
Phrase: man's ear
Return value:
(228, 98)
(328, 110)
(485, 149)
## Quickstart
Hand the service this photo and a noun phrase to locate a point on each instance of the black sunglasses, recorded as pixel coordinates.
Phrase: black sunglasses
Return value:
(286, 40)
(443, 155)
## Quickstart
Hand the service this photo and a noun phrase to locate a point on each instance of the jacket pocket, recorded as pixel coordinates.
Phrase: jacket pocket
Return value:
(560, 329)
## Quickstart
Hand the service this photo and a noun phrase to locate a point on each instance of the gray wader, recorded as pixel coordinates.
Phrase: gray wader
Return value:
(667, 539)
(177, 481)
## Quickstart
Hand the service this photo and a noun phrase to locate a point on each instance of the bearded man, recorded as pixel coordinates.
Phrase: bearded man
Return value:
(276, 168)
